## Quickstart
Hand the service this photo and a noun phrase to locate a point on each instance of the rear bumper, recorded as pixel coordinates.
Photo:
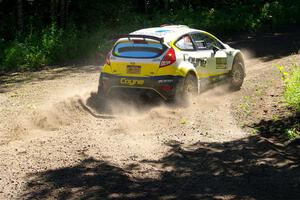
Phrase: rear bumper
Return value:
(164, 86)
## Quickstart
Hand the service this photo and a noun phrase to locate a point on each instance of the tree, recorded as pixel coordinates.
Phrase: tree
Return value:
(20, 16)
(62, 13)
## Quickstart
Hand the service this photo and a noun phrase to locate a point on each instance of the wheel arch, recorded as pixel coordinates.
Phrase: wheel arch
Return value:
(185, 67)
(192, 72)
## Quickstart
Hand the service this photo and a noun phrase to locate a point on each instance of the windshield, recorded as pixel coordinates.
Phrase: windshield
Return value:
(138, 49)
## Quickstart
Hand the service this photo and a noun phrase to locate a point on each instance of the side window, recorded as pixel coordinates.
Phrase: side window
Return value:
(185, 43)
(199, 41)
(213, 42)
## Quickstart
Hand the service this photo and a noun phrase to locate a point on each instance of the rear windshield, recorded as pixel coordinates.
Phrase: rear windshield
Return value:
(138, 49)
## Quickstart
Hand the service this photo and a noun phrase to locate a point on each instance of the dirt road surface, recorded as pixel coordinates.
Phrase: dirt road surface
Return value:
(55, 145)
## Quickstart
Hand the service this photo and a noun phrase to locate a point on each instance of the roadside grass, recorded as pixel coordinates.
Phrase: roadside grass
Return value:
(292, 133)
(292, 86)
(291, 78)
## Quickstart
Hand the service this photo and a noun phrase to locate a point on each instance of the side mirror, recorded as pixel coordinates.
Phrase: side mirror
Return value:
(215, 49)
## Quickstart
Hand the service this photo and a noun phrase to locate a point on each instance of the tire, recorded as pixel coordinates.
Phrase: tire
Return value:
(190, 85)
(100, 95)
(187, 87)
(100, 92)
(237, 74)
(97, 100)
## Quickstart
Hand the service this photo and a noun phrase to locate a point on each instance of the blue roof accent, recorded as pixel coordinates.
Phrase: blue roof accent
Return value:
(163, 31)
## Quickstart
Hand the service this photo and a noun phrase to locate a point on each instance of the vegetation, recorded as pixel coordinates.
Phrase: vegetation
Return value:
(291, 96)
(35, 33)
(291, 78)
(292, 133)
(292, 88)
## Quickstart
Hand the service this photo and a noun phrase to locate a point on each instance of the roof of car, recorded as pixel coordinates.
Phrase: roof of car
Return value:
(169, 33)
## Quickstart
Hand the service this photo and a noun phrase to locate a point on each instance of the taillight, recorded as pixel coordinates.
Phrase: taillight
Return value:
(107, 59)
(169, 58)
(166, 87)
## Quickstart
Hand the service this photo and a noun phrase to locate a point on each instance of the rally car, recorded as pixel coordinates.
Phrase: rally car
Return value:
(169, 61)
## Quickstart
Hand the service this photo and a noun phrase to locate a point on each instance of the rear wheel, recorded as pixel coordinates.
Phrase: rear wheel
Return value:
(100, 92)
(237, 74)
(190, 85)
(97, 99)
(185, 88)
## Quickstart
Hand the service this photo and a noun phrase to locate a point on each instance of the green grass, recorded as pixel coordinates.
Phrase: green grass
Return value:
(292, 87)
(292, 133)
(291, 78)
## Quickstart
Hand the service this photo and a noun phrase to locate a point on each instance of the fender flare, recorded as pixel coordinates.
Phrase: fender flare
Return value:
(189, 68)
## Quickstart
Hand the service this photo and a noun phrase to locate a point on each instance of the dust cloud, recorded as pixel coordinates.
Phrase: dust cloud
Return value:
(54, 116)
(128, 115)
(134, 114)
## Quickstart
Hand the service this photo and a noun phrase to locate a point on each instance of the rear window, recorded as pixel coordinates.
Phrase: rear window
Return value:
(138, 49)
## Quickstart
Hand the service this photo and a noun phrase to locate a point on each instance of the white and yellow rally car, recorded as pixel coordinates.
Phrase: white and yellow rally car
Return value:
(169, 61)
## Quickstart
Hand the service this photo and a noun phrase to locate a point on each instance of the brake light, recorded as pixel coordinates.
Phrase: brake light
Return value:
(107, 59)
(169, 58)
(166, 87)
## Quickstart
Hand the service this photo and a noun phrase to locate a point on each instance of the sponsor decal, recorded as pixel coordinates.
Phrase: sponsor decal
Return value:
(165, 81)
(221, 63)
(197, 62)
(125, 81)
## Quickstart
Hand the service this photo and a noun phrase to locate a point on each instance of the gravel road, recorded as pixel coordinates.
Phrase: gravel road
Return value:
(55, 145)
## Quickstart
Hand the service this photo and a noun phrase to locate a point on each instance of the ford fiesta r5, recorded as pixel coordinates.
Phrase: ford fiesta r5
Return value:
(169, 61)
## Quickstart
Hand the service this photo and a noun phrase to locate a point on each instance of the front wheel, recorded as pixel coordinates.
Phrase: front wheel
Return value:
(237, 75)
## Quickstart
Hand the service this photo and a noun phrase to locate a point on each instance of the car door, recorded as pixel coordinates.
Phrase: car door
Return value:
(206, 64)
(219, 55)
(188, 52)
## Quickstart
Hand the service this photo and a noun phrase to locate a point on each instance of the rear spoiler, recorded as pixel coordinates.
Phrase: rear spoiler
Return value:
(161, 40)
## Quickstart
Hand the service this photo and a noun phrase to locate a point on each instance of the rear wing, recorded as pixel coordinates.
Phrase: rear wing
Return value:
(161, 40)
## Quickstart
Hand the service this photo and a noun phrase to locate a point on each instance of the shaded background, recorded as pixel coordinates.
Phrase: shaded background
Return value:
(36, 33)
